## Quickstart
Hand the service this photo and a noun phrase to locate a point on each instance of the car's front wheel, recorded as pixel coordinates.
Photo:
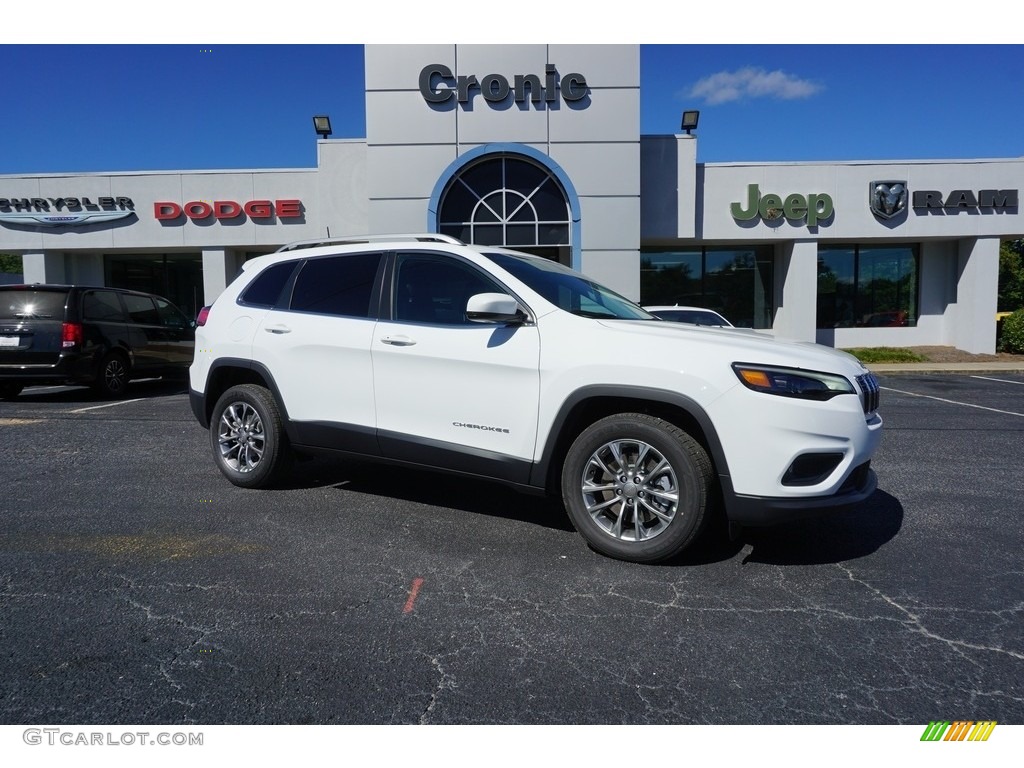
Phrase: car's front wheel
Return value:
(249, 442)
(637, 487)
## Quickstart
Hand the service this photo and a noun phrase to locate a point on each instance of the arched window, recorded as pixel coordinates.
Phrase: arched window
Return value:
(510, 201)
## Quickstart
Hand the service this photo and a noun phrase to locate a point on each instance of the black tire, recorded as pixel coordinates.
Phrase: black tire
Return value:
(10, 390)
(247, 434)
(113, 375)
(637, 487)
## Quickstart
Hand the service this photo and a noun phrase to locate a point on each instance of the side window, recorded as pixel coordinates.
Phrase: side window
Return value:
(266, 289)
(103, 306)
(434, 289)
(170, 315)
(141, 309)
(337, 285)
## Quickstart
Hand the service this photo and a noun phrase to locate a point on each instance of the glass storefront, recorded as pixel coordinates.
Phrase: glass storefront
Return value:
(867, 286)
(175, 276)
(735, 282)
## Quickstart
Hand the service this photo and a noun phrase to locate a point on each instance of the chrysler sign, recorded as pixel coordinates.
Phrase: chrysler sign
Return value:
(63, 211)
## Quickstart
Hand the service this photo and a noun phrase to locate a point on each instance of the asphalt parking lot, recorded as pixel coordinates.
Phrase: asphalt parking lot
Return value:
(139, 586)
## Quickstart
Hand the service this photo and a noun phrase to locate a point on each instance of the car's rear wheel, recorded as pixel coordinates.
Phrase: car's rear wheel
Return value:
(113, 374)
(637, 487)
(9, 390)
(249, 442)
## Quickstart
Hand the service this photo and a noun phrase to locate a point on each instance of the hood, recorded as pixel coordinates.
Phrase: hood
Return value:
(745, 345)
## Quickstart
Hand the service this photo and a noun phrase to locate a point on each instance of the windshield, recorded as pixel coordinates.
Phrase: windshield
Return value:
(567, 289)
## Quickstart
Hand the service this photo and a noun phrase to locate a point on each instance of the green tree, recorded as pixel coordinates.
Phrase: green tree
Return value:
(1011, 275)
(10, 263)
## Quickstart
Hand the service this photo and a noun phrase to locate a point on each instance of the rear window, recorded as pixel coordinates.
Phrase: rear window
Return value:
(32, 304)
(103, 306)
(266, 288)
(141, 309)
(337, 285)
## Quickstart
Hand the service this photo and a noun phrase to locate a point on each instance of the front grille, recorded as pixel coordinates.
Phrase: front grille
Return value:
(870, 392)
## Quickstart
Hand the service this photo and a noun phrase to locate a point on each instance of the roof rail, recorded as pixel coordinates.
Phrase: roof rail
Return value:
(356, 239)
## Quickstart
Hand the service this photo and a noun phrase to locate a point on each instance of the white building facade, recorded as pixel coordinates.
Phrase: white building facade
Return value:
(538, 147)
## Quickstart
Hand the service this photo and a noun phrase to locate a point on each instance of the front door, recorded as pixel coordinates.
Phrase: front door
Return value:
(451, 392)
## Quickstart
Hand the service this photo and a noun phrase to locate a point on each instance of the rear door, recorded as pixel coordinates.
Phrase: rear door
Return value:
(179, 339)
(147, 335)
(31, 325)
(104, 321)
(317, 344)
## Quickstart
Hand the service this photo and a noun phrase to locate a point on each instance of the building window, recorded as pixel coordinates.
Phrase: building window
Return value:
(175, 276)
(867, 286)
(508, 200)
(735, 282)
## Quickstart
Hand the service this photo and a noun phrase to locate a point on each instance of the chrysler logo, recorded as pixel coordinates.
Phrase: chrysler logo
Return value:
(45, 219)
(887, 199)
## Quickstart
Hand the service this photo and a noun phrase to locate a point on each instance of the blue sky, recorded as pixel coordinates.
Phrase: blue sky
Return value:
(106, 105)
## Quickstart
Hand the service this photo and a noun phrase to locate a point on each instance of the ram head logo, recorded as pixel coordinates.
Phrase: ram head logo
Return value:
(887, 199)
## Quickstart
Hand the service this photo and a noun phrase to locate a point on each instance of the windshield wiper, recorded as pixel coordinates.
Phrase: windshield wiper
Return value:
(597, 315)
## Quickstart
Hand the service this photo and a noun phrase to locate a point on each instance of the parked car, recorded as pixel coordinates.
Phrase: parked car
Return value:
(692, 315)
(483, 361)
(103, 337)
(892, 319)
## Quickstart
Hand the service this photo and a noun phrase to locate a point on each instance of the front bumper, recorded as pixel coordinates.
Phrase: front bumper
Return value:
(759, 511)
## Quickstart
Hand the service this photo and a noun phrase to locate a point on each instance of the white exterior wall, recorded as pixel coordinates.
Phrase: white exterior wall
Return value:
(411, 142)
(668, 187)
(950, 280)
(976, 294)
(796, 278)
(847, 184)
(332, 196)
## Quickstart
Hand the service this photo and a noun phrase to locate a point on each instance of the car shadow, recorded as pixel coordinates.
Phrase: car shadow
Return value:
(829, 539)
(82, 394)
(428, 487)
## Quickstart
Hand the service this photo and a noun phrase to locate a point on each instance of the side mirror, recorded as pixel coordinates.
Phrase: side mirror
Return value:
(494, 308)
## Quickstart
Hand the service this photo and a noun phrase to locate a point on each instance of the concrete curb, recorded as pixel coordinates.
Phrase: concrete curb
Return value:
(993, 367)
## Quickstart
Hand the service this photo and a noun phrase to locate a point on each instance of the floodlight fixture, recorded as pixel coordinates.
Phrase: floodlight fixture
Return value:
(690, 118)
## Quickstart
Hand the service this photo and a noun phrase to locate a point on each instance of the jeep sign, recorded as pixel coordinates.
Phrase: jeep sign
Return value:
(796, 207)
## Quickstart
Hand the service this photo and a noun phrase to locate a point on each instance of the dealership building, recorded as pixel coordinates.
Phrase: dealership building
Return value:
(538, 148)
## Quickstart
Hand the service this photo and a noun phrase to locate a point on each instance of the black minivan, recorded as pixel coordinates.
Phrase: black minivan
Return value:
(69, 334)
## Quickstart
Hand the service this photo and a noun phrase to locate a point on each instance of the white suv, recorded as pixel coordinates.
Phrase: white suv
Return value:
(420, 350)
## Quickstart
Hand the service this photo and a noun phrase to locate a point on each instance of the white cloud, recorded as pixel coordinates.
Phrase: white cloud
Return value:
(751, 83)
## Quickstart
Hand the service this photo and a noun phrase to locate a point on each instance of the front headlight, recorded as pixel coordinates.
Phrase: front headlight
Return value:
(793, 382)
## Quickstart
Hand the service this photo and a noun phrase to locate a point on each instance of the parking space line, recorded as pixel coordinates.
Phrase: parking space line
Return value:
(1002, 381)
(413, 592)
(105, 405)
(954, 402)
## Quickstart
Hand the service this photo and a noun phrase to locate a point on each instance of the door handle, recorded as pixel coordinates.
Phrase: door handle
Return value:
(398, 341)
(277, 329)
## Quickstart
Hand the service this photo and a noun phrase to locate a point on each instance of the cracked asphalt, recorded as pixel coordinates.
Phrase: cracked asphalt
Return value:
(138, 586)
